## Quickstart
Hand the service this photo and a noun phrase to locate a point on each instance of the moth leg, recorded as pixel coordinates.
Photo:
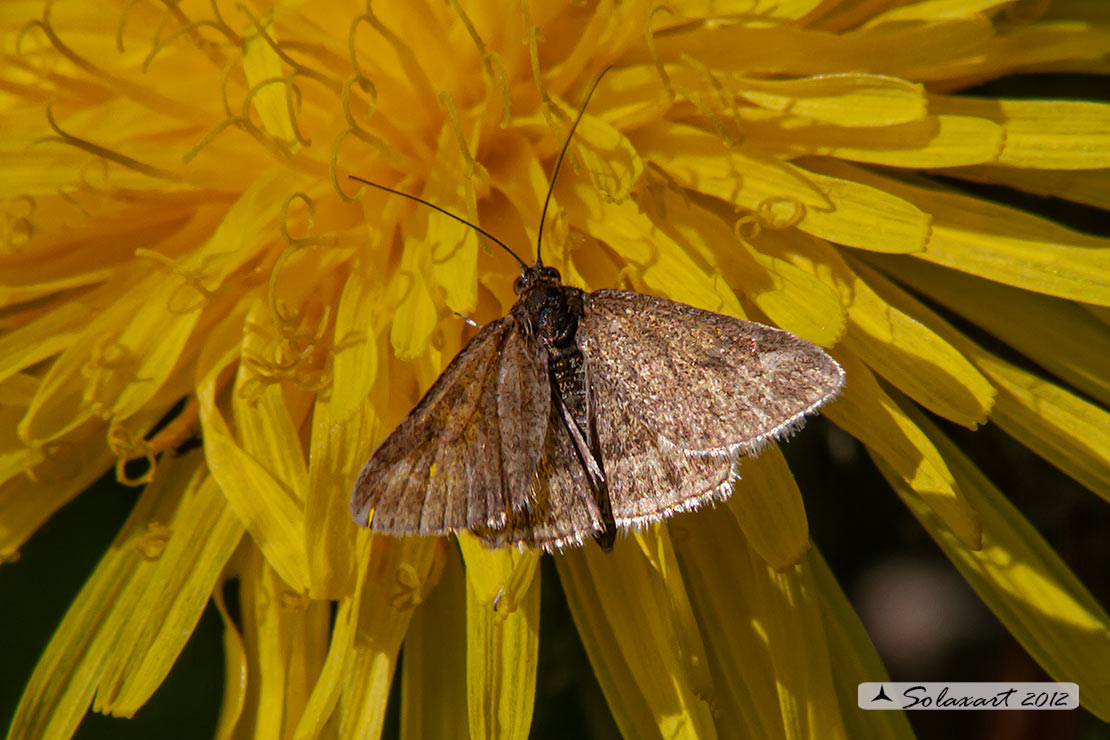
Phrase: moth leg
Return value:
(468, 320)
(608, 533)
(591, 465)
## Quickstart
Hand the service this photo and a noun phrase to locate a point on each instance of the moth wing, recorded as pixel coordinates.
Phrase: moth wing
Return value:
(560, 510)
(469, 450)
(681, 392)
(710, 382)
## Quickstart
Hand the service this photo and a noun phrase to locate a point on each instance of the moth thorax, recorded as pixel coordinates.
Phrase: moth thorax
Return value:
(553, 318)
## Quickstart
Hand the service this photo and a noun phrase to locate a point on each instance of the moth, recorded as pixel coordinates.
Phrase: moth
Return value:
(580, 414)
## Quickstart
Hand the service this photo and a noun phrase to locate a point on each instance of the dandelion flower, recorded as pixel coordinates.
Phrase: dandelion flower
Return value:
(182, 253)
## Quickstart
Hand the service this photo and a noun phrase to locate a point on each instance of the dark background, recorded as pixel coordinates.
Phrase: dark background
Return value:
(885, 561)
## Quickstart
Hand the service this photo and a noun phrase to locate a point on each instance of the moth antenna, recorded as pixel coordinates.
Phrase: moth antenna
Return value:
(433, 206)
(559, 163)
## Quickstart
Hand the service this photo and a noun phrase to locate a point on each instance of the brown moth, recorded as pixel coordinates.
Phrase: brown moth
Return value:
(579, 414)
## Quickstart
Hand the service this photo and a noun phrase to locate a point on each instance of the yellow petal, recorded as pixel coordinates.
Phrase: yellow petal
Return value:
(39, 278)
(791, 615)
(1058, 335)
(205, 533)
(665, 267)
(1102, 313)
(350, 695)
(845, 100)
(60, 473)
(275, 522)
(935, 141)
(501, 651)
(928, 10)
(1071, 433)
(116, 365)
(636, 610)
(452, 247)
(16, 391)
(399, 574)
(263, 418)
(871, 416)
(1023, 581)
(925, 366)
(266, 507)
(712, 9)
(627, 701)
(768, 507)
(612, 162)
(43, 337)
(159, 345)
(286, 639)
(344, 426)
(705, 238)
(262, 65)
(262, 712)
(323, 700)
(502, 608)
(355, 360)
(856, 661)
(126, 353)
(789, 50)
(435, 660)
(797, 302)
(634, 92)
(911, 356)
(717, 570)
(791, 298)
(235, 671)
(339, 447)
(309, 629)
(246, 228)
(837, 209)
(415, 316)
(655, 543)
(1091, 187)
(501, 579)
(763, 633)
(61, 688)
(1002, 244)
(1029, 47)
(517, 173)
(1044, 134)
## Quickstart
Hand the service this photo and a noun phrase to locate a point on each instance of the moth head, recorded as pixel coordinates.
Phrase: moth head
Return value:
(530, 277)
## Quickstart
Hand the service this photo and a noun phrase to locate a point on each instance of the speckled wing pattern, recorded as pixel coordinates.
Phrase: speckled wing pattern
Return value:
(680, 393)
(558, 511)
(472, 443)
